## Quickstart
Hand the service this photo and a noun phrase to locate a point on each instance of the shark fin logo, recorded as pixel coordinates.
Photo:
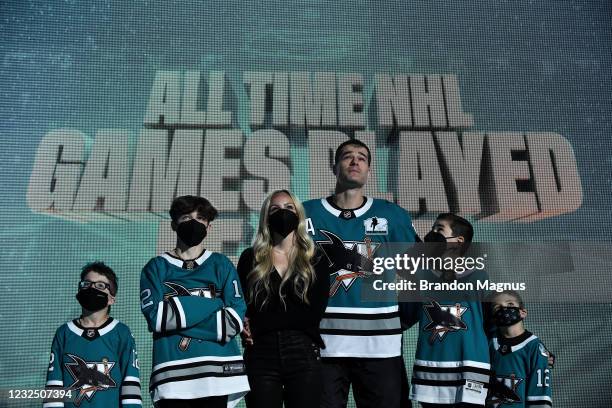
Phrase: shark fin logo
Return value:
(89, 377)
(444, 319)
(349, 260)
(504, 389)
(180, 290)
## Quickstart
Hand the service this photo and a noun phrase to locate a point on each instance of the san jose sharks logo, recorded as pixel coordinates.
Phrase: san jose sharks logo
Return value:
(180, 290)
(348, 259)
(444, 319)
(504, 389)
(89, 377)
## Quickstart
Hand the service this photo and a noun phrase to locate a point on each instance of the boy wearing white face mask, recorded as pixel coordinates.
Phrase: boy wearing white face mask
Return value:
(193, 303)
(95, 355)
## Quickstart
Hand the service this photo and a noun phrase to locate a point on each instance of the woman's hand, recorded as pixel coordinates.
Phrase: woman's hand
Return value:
(247, 340)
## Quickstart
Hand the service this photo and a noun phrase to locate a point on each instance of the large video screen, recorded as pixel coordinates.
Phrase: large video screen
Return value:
(499, 111)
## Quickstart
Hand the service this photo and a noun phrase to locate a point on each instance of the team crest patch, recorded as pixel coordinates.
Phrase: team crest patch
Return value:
(348, 259)
(504, 390)
(376, 226)
(444, 319)
(89, 377)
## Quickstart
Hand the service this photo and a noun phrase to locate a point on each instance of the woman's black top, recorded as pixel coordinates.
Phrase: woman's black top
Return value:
(294, 314)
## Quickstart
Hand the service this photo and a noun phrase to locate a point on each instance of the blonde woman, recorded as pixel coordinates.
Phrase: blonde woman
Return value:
(286, 291)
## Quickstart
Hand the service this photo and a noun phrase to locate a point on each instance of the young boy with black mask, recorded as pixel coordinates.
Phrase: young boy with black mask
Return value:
(95, 355)
(519, 359)
(193, 303)
(451, 367)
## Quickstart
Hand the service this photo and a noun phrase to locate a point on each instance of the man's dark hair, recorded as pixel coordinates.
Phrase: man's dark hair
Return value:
(460, 227)
(188, 204)
(352, 142)
(104, 270)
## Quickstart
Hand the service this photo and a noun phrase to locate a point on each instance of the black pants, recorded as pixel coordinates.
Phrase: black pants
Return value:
(283, 366)
(376, 382)
(208, 402)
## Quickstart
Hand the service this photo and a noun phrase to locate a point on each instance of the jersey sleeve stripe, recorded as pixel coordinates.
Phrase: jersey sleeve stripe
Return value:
(223, 328)
(53, 404)
(131, 378)
(55, 383)
(130, 397)
(131, 402)
(540, 398)
(171, 316)
(236, 317)
(181, 321)
(130, 391)
(219, 326)
(164, 317)
(539, 404)
(160, 312)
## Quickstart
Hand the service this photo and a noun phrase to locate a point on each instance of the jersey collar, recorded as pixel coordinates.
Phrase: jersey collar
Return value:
(327, 203)
(77, 329)
(194, 263)
(514, 343)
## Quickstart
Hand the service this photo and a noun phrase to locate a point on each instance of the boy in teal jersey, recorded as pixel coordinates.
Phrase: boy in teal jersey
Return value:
(94, 356)
(519, 360)
(193, 303)
(451, 367)
(362, 339)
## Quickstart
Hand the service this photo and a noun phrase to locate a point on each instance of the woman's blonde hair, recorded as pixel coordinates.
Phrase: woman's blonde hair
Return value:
(300, 272)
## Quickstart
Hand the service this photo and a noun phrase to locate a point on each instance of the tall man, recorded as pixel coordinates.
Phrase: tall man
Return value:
(363, 339)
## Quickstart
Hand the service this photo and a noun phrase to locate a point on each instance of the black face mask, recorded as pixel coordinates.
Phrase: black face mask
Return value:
(435, 244)
(191, 232)
(92, 299)
(283, 222)
(507, 316)
(433, 236)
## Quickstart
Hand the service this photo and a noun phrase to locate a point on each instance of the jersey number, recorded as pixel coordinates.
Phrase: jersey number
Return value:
(144, 295)
(51, 360)
(546, 378)
(135, 360)
(236, 291)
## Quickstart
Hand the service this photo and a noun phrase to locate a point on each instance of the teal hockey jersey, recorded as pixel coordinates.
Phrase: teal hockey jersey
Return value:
(99, 366)
(350, 239)
(521, 375)
(451, 360)
(194, 309)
